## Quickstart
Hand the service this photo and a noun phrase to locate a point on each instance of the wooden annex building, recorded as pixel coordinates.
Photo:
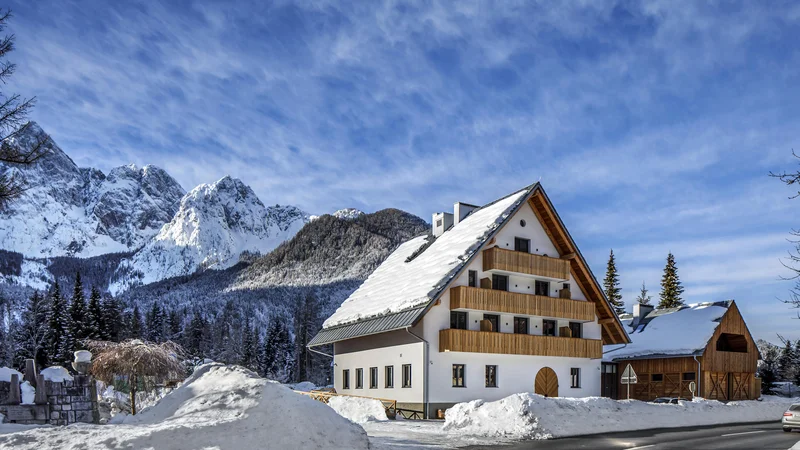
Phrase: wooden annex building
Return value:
(707, 343)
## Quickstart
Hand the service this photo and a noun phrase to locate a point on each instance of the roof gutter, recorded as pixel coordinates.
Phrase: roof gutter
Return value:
(319, 352)
(426, 363)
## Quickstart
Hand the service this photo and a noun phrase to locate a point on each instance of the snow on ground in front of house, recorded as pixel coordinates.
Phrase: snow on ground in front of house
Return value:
(217, 407)
(357, 409)
(303, 386)
(56, 374)
(531, 416)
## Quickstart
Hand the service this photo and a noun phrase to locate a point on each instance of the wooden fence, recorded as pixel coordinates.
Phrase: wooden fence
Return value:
(325, 396)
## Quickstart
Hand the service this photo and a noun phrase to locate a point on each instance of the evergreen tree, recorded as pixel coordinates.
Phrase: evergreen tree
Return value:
(59, 341)
(175, 326)
(305, 327)
(611, 285)
(249, 348)
(135, 323)
(276, 354)
(154, 322)
(195, 336)
(31, 333)
(112, 319)
(77, 315)
(797, 362)
(95, 326)
(643, 298)
(768, 369)
(671, 288)
(786, 362)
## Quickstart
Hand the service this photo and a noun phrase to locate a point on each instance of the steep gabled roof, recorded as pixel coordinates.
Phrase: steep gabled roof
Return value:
(670, 332)
(414, 276)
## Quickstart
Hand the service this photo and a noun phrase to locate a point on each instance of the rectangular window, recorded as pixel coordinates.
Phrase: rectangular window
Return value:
(458, 375)
(657, 377)
(359, 378)
(548, 327)
(576, 328)
(500, 282)
(406, 375)
(491, 376)
(389, 376)
(373, 378)
(728, 342)
(458, 320)
(520, 325)
(522, 245)
(575, 377)
(689, 376)
(473, 278)
(494, 319)
(346, 379)
(542, 288)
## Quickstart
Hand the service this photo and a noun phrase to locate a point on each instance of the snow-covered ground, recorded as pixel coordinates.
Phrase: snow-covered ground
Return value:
(358, 409)
(531, 416)
(217, 407)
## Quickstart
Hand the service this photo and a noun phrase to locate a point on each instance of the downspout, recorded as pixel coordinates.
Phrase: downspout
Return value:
(425, 351)
(698, 374)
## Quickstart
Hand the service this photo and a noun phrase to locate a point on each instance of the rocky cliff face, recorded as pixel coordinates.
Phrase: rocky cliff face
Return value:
(72, 211)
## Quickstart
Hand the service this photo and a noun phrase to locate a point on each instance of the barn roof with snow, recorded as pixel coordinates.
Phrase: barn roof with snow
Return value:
(399, 292)
(669, 332)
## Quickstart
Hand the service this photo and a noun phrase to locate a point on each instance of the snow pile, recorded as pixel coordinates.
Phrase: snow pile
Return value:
(399, 285)
(28, 393)
(358, 409)
(6, 372)
(56, 374)
(217, 407)
(304, 386)
(531, 416)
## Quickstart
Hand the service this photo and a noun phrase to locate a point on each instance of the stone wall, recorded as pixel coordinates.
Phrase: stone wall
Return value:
(67, 402)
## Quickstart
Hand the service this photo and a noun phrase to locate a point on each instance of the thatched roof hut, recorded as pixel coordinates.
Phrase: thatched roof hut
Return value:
(138, 360)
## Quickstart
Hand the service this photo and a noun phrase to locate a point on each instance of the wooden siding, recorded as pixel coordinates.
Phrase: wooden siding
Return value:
(517, 344)
(672, 385)
(718, 361)
(515, 303)
(497, 258)
(613, 331)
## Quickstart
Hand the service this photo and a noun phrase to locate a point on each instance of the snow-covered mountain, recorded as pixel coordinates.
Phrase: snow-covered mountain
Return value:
(348, 213)
(214, 225)
(72, 211)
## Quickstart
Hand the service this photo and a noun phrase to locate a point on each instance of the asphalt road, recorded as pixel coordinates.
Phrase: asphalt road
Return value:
(750, 437)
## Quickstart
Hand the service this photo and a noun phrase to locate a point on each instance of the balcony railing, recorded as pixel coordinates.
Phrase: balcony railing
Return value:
(454, 340)
(497, 258)
(515, 303)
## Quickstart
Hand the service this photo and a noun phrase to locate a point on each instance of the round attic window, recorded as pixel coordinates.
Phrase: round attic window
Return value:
(522, 222)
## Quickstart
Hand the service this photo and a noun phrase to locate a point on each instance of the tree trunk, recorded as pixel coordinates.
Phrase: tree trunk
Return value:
(132, 381)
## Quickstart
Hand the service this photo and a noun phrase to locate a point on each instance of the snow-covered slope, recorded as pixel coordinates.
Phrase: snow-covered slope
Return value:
(348, 213)
(214, 225)
(67, 210)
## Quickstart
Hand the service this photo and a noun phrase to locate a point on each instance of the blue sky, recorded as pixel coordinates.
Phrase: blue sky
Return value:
(651, 125)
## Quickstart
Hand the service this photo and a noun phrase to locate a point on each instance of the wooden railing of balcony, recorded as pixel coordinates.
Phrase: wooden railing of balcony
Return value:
(454, 340)
(515, 303)
(497, 258)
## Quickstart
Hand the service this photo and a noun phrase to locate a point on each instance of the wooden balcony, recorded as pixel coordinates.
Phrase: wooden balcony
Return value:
(454, 340)
(526, 304)
(497, 258)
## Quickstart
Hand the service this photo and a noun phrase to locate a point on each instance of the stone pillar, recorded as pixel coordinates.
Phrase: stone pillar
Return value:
(41, 393)
(14, 395)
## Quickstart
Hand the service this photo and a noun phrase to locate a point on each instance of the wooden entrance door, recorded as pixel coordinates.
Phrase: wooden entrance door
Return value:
(546, 383)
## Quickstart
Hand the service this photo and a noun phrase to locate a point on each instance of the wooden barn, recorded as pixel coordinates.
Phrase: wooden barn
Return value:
(707, 343)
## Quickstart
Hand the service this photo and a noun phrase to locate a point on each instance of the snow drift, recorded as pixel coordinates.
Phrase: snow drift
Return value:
(357, 409)
(531, 416)
(217, 407)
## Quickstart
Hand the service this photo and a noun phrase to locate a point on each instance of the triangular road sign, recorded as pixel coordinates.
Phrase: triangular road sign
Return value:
(629, 376)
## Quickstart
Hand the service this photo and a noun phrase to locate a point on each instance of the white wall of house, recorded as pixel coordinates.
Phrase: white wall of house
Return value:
(378, 351)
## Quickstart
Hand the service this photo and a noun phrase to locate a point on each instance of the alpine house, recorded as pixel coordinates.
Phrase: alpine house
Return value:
(496, 300)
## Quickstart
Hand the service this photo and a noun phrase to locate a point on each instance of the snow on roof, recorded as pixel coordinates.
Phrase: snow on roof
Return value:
(675, 331)
(399, 284)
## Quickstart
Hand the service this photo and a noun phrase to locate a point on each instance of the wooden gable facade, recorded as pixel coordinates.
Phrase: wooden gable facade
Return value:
(724, 371)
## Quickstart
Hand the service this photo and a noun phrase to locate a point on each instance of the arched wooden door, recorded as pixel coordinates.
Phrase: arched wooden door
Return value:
(546, 383)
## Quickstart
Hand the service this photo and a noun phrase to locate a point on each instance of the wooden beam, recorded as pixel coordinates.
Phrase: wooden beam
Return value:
(572, 255)
(606, 320)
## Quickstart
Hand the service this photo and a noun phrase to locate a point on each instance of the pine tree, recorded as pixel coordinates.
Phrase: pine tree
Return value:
(767, 370)
(154, 322)
(611, 285)
(77, 315)
(276, 354)
(786, 362)
(95, 326)
(796, 363)
(174, 326)
(671, 288)
(135, 323)
(31, 333)
(248, 355)
(195, 336)
(59, 342)
(643, 298)
(305, 318)
(112, 319)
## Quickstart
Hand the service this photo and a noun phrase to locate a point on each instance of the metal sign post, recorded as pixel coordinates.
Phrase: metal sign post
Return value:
(629, 378)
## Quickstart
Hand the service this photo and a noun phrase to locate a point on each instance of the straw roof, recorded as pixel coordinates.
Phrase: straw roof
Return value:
(136, 357)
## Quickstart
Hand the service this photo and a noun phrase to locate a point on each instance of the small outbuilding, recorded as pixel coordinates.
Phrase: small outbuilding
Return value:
(705, 343)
